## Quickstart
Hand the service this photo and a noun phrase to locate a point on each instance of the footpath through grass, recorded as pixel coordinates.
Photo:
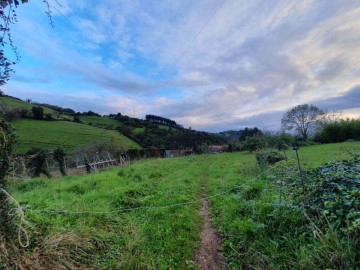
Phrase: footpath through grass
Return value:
(257, 232)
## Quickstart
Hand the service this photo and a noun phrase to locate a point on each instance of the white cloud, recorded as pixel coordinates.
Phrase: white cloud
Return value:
(234, 64)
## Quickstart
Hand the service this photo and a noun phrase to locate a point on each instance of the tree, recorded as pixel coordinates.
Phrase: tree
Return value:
(37, 162)
(59, 156)
(303, 119)
(38, 112)
(250, 132)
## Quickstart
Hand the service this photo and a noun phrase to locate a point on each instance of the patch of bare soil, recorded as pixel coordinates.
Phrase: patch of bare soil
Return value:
(208, 256)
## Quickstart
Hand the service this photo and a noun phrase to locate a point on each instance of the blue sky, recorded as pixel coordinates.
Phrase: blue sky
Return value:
(209, 64)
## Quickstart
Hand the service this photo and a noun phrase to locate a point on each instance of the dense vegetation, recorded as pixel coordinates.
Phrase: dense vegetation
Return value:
(264, 222)
(339, 131)
(175, 138)
(161, 120)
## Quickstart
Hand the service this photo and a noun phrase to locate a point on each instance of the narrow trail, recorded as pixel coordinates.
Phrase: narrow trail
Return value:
(208, 256)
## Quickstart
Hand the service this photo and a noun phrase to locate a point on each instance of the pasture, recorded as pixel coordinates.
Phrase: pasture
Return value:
(145, 216)
(65, 134)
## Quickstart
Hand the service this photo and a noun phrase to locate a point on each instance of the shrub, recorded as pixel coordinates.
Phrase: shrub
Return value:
(252, 144)
(48, 117)
(76, 119)
(334, 188)
(38, 112)
(265, 159)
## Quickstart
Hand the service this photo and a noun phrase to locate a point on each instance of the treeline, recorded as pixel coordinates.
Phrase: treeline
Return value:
(171, 138)
(160, 120)
(339, 131)
(55, 108)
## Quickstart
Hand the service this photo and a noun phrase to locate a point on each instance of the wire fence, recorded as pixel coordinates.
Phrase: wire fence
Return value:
(20, 210)
(121, 210)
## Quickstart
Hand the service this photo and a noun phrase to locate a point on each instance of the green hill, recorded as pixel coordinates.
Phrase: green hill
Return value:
(69, 135)
(158, 132)
(103, 122)
(14, 103)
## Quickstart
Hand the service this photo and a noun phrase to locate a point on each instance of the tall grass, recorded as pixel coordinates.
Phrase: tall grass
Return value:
(259, 230)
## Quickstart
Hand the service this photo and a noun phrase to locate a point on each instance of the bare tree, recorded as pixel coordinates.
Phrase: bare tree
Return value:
(302, 118)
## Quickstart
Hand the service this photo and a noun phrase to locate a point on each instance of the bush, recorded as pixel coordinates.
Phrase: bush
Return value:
(279, 141)
(38, 112)
(252, 144)
(268, 158)
(334, 188)
(76, 119)
(48, 117)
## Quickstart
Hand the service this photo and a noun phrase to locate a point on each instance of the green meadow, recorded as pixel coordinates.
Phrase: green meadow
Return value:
(13, 103)
(145, 215)
(65, 134)
(100, 121)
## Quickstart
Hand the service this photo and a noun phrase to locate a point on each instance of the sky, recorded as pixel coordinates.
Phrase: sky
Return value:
(212, 65)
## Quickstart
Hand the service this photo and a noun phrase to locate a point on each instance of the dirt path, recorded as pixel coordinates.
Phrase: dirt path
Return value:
(208, 256)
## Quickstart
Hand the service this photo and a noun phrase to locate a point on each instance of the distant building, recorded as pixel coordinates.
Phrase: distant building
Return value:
(215, 149)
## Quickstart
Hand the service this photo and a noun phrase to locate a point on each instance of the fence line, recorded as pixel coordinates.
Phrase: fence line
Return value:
(121, 210)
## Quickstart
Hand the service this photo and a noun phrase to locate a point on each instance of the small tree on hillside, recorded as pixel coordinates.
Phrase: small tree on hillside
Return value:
(302, 118)
(38, 112)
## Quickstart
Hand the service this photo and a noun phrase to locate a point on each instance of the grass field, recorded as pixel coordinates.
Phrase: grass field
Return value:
(69, 135)
(256, 233)
(100, 121)
(12, 103)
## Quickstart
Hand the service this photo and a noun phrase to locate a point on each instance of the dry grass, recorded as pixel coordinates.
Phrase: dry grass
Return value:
(57, 252)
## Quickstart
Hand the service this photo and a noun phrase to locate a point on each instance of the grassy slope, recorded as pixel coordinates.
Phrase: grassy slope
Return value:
(52, 134)
(16, 104)
(103, 121)
(167, 238)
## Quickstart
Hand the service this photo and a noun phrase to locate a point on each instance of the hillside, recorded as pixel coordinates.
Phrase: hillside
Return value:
(69, 135)
(161, 227)
(155, 132)
(103, 122)
(15, 103)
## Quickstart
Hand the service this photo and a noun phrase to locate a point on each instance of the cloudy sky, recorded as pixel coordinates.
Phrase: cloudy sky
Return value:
(209, 64)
